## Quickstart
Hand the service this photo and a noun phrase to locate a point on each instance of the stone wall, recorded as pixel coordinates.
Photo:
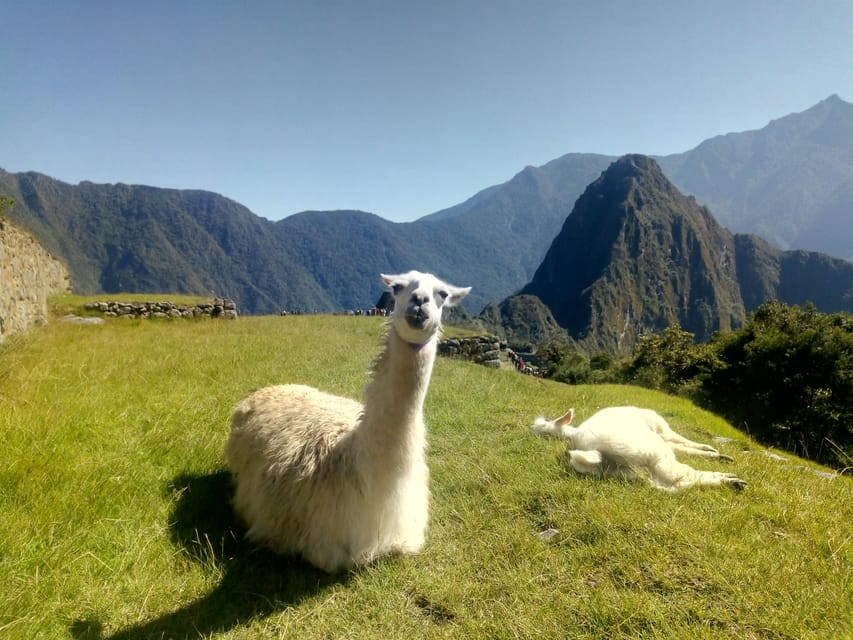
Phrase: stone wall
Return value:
(219, 308)
(483, 350)
(28, 275)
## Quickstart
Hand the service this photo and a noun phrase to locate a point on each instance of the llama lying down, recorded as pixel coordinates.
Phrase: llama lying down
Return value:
(335, 481)
(623, 440)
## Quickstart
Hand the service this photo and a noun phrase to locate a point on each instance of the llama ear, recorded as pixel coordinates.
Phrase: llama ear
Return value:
(455, 295)
(395, 283)
(566, 418)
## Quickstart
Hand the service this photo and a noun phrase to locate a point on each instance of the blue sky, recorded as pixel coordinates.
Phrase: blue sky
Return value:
(396, 107)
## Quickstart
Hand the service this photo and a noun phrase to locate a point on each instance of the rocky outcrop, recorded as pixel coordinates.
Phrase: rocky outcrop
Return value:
(28, 276)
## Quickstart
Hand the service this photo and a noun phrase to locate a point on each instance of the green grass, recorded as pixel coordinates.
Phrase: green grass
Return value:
(114, 517)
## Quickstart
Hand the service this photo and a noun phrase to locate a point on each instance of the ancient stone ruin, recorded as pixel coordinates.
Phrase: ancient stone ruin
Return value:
(483, 350)
(28, 276)
(218, 308)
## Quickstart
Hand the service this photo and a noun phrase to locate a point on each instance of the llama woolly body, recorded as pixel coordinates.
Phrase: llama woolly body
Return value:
(333, 480)
(626, 440)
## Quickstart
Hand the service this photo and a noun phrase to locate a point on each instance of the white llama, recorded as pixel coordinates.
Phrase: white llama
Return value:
(330, 479)
(624, 440)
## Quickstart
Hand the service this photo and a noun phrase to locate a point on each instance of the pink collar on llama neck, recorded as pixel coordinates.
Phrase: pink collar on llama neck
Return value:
(417, 346)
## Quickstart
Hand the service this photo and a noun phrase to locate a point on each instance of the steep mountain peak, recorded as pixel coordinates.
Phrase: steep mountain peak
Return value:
(634, 162)
(635, 254)
(833, 102)
(631, 184)
(831, 115)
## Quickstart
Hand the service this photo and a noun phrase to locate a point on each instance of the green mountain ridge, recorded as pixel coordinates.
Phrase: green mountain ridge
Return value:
(793, 178)
(199, 242)
(130, 238)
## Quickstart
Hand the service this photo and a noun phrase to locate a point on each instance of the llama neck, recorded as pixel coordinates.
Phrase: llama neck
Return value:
(391, 425)
(564, 432)
(570, 432)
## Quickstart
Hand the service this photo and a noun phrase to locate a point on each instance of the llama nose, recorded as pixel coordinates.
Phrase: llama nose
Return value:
(417, 314)
(419, 300)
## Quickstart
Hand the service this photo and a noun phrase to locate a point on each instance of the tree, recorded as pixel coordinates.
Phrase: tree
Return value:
(564, 363)
(669, 361)
(6, 204)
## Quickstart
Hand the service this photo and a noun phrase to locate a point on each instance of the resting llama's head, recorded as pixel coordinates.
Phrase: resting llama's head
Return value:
(553, 427)
(418, 300)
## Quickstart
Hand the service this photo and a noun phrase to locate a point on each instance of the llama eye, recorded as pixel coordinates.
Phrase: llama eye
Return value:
(443, 295)
(397, 288)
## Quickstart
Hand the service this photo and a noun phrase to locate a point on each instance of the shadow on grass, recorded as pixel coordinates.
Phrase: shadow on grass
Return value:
(256, 582)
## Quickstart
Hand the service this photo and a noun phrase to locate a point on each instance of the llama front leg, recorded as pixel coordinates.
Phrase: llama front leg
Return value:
(586, 462)
(593, 462)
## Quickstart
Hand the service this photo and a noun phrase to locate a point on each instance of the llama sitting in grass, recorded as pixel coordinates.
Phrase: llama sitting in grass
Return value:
(623, 440)
(334, 481)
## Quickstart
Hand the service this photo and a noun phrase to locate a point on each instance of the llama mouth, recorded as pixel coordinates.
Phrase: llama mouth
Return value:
(417, 319)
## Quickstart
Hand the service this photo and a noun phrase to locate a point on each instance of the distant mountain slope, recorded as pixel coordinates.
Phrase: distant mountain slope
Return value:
(794, 277)
(637, 255)
(132, 238)
(790, 182)
(346, 251)
(523, 321)
(495, 240)
(137, 238)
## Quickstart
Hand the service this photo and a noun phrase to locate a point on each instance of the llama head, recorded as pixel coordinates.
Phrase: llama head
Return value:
(418, 300)
(553, 427)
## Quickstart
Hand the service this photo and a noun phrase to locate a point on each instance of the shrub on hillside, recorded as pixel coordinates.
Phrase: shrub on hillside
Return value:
(563, 362)
(669, 361)
(787, 378)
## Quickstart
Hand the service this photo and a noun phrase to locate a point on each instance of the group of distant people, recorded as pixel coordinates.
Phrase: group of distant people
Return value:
(375, 311)
(521, 366)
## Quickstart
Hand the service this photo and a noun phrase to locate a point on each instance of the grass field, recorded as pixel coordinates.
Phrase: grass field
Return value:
(115, 522)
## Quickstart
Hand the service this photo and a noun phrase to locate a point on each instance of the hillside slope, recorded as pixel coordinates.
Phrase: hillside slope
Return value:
(116, 520)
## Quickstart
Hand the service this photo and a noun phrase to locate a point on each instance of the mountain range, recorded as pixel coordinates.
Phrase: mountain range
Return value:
(791, 181)
(637, 255)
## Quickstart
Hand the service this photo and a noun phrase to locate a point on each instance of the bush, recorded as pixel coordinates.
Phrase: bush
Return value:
(670, 361)
(787, 378)
(564, 363)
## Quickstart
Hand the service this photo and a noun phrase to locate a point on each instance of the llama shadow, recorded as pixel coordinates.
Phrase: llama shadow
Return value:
(256, 582)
